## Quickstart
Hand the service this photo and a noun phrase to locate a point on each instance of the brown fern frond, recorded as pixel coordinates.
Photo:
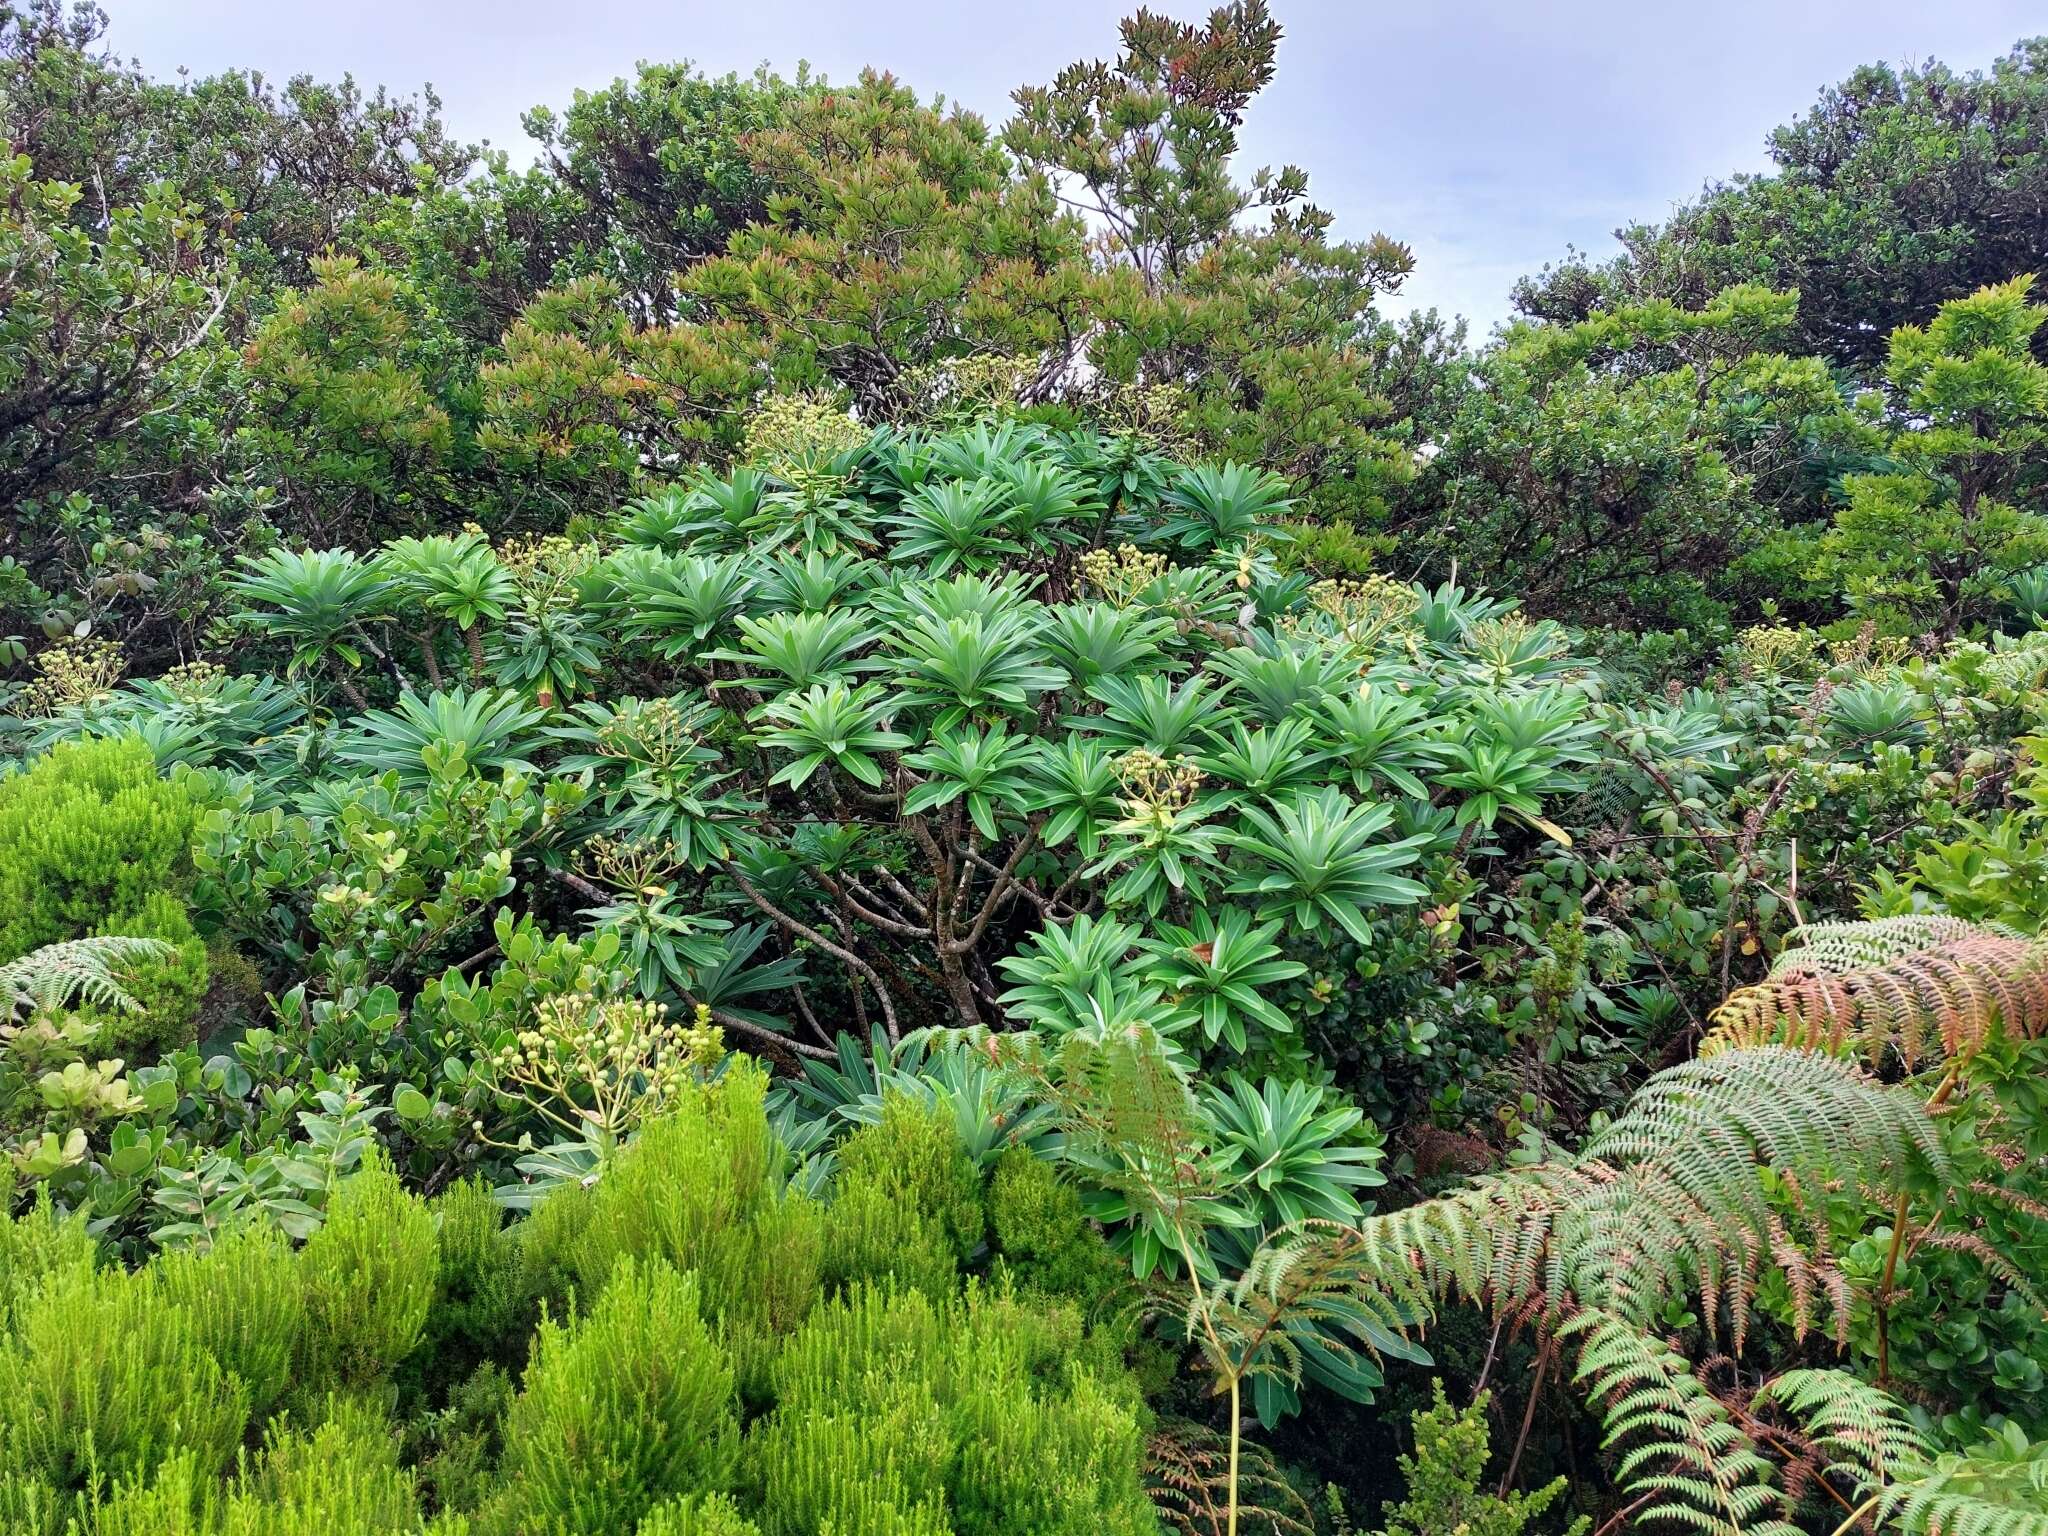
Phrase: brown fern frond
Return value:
(1921, 1007)
(1187, 1473)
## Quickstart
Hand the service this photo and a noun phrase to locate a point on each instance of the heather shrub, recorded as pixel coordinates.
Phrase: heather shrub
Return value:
(339, 1478)
(899, 1413)
(713, 1516)
(690, 1177)
(102, 1377)
(246, 1298)
(621, 1409)
(1043, 1238)
(35, 1244)
(370, 1274)
(480, 1301)
(907, 1203)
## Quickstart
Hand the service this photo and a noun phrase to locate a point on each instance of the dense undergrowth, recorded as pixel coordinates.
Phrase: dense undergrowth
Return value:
(748, 841)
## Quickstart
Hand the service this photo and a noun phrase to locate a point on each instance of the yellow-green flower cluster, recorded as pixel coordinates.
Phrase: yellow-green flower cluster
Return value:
(605, 1064)
(1119, 577)
(793, 436)
(1777, 650)
(1366, 607)
(985, 384)
(73, 672)
(194, 682)
(546, 567)
(1155, 783)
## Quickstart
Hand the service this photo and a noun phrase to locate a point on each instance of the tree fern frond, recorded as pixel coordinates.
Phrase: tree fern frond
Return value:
(1967, 1496)
(1670, 1201)
(1187, 1471)
(1863, 1430)
(89, 970)
(1680, 1447)
(1831, 948)
(1925, 1005)
(1899, 1481)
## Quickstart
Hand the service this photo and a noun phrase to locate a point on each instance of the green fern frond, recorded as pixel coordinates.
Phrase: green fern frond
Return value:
(1897, 1478)
(1827, 949)
(1967, 1496)
(88, 970)
(1670, 1201)
(1681, 1451)
(1862, 1429)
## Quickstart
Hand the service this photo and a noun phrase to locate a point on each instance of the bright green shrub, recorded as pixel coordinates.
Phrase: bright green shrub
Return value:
(873, 1236)
(872, 1467)
(1444, 1477)
(622, 1409)
(1065, 1464)
(900, 1413)
(370, 1275)
(1042, 1234)
(34, 1245)
(691, 1176)
(175, 1501)
(92, 840)
(914, 1153)
(247, 1301)
(169, 990)
(88, 831)
(103, 1377)
(31, 1507)
(907, 1203)
(761, 1281)
(550, 1241)
(715, 1516)
(693, 1189)
(341, 1478)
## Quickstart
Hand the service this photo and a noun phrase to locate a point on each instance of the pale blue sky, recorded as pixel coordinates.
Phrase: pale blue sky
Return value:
(1487, 134)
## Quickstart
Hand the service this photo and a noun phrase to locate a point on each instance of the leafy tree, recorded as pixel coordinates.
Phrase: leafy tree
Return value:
(280, 173)
(1932, 542)
(896, 238)
(583, 400)
(1258, 326)
(1625, 466)
(661, 171)
(1903, 189)
(351, 388)
(97, 333)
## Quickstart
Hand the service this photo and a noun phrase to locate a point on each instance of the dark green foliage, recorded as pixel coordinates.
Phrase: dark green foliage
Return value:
(481, 1307)
(928, 619)
(1446, 1471)
(621, 1409)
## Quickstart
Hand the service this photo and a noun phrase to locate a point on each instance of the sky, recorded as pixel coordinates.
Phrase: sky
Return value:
(1486, 134)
